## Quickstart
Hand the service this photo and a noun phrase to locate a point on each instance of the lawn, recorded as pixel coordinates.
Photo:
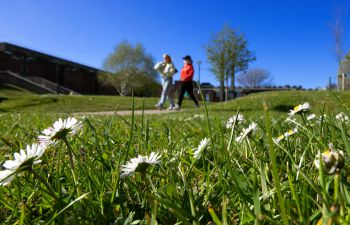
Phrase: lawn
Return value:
(283, 101)
(13, 99)
(228, 163)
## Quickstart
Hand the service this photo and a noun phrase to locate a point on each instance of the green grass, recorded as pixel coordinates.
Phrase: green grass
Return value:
(283, 101)
(254, 181)
(13, 99)
(20, 101)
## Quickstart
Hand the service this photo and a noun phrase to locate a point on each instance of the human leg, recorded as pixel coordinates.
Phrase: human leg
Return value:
(190, 92)
(161, 95)
(166, 87)
(170, 94)
(182, 93)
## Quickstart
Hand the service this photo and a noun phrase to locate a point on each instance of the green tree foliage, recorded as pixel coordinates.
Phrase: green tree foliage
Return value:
(228, 54)
(130, 69)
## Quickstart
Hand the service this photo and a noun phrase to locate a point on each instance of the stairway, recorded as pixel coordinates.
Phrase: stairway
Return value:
(34, 84)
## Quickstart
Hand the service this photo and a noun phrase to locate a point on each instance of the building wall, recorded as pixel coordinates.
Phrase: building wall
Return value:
(23, 62)
(41, 68)
(7, 63)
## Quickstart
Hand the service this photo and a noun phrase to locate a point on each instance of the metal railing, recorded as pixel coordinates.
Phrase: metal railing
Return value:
(51, 85)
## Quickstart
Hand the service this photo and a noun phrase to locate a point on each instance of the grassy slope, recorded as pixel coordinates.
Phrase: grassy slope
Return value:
(17, 100)
(13, 99)
(283, 101)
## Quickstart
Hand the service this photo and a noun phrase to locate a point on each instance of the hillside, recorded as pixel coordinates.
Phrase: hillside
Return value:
(13, 99)
(283, 101)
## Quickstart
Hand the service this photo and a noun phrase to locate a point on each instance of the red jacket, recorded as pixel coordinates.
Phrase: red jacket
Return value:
(187, 73)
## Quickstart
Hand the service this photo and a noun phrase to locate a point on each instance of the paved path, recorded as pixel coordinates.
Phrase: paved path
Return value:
(128, 112)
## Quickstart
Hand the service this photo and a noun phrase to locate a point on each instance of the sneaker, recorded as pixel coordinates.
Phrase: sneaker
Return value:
(158, 107)
(177, 107)
(171, 108)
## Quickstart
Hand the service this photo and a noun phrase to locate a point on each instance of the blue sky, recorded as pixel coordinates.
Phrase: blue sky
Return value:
(291, 38)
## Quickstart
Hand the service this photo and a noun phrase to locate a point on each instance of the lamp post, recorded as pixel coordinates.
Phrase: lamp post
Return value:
(199, 74)
(199, 71)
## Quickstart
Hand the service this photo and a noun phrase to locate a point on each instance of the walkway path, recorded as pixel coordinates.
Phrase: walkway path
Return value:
(128, 112)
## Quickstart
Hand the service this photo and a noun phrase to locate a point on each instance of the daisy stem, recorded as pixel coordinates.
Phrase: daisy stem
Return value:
(207, 114)
(232, 131)
(47, 185)
(231, 138)
(154, 212)
(274, 166)
(155, 201)
(72, 164)
(190, 195)
(336, 186)
(151, 184)
(294, 194)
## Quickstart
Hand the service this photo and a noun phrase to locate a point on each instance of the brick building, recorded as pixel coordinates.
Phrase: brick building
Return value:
(55, 73)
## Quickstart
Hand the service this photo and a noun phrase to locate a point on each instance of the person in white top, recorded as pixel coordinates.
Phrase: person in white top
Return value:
(167, 69)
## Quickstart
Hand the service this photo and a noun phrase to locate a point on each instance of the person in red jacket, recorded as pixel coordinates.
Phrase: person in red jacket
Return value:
(186, 78)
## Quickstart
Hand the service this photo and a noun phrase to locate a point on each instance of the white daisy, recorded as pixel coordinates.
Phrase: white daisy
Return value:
(299, 108)
(22, 160)
(290, 132)
(202, 145)
(195, 116)
(200, 116)
(285, 135)
(139, 164)
(311, 117)
(234, 119)
(60, 129)
(6, 176)
(252, 127)
(279, 138)
(342, 117)
(332, 160)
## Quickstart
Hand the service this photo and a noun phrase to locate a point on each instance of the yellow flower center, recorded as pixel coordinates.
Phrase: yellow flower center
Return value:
(296, 108)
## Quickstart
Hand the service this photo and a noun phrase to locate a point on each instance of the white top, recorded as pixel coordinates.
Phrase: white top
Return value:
(167, 70)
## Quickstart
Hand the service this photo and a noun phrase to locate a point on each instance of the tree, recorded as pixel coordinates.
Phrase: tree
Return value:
(127, 68)
(346, 64)
(228, 54)
(337, 30)
(254, 78)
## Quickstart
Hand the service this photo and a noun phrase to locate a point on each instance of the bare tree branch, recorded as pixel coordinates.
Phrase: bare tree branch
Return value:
(255, 78)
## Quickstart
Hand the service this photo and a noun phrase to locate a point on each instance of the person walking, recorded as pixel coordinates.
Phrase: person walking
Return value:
(167, 70)
(186, 81)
